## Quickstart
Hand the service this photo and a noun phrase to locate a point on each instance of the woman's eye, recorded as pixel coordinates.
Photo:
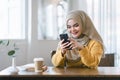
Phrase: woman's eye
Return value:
(68, 27)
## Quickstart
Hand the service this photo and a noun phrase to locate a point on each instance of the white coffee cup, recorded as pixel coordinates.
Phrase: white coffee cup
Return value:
(39, 62)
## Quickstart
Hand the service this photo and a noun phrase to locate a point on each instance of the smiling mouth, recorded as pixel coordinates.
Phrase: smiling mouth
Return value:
(75, 33)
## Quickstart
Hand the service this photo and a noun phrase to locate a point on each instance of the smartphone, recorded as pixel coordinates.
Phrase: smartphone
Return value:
(65, 37)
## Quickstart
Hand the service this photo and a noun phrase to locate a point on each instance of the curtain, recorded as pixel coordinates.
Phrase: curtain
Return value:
(105, 15)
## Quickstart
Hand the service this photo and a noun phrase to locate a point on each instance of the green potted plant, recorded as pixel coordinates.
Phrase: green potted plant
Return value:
(7, 44)
(11, 48)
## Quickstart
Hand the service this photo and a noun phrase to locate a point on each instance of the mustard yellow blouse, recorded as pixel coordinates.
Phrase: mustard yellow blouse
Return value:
(90, 56)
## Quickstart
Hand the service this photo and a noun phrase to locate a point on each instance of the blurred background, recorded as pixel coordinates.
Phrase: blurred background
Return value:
(35, 25)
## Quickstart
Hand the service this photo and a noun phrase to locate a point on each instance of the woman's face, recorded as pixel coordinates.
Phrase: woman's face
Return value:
(74, 28)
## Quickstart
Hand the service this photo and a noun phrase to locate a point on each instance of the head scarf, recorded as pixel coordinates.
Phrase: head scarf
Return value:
(87, 26)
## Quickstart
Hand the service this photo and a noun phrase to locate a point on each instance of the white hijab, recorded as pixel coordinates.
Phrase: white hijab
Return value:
(87, 25)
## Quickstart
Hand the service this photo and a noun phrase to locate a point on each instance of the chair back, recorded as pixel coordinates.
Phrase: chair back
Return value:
(52, 52)
(108, 60)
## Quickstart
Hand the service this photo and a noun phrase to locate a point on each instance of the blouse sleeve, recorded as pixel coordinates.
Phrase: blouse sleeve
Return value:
(91, 54)
(58, 59)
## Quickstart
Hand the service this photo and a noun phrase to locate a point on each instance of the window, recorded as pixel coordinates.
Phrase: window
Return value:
(51, 19)
(12, 19)
(61, 14)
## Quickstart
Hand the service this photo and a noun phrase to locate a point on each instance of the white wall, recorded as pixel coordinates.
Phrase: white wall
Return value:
(42, 48)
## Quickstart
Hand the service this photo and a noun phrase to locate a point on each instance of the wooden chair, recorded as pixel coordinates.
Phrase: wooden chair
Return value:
(52, 53)
(108, 60)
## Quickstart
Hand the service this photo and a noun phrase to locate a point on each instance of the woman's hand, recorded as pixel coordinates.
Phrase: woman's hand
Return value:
(64, 46)
(75, 45)
(44, 68)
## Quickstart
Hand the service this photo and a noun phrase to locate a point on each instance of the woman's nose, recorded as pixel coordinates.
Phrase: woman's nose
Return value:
(72, 28)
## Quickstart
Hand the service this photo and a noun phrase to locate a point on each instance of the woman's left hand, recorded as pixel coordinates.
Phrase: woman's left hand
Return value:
(75, 44)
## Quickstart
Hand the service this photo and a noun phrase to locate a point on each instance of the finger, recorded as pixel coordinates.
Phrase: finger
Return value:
(61, 41)
(71, 39)
(44, 68)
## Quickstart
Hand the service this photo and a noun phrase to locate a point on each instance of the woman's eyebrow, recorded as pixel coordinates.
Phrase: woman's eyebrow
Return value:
(75, 24)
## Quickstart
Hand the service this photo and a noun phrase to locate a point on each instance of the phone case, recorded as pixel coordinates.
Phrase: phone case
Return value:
(65, 37)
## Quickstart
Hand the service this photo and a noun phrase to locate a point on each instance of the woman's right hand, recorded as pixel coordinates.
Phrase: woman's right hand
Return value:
(63, 46)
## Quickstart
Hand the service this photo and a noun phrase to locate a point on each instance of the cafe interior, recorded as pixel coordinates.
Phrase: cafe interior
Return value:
(33, 27)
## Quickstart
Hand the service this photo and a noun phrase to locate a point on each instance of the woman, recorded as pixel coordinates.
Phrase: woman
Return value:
(85, 46)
